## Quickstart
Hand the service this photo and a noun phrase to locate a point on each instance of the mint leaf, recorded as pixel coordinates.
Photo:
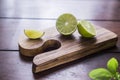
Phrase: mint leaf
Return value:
(100, 74)
(117, 76)
(112, 65)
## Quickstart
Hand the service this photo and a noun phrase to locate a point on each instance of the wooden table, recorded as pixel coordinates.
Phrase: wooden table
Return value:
(16, 15)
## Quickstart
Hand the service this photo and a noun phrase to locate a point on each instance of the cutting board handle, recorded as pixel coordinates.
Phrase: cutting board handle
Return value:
(45, 46)
(50, 45)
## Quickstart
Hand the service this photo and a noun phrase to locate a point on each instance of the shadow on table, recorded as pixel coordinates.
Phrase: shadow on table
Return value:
(26, 59)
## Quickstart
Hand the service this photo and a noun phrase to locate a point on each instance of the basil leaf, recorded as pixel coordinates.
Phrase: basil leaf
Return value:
(117, 76)
(100, 74)
(112, 65)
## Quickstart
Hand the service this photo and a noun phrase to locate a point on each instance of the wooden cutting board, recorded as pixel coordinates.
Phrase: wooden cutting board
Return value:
(54, 49)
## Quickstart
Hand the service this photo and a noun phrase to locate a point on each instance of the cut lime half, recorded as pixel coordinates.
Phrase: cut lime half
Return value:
(86, 29)
(33, 34)
(66, 24)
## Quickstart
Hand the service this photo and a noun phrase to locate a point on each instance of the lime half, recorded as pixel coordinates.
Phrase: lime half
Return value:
(86, 29)
(33, 34)
(66, 24)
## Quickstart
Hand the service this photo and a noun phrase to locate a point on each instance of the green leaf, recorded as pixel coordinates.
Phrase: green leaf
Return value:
(117, 76)
(100, 74)
(112, 65)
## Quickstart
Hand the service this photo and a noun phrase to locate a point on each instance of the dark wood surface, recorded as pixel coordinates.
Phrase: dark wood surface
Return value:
(16, 15)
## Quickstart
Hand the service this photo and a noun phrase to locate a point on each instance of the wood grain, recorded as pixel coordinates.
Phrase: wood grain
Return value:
(52, 39)
(68, 48)
(16, 15)
(82, 9)
(16, 28)
(74, 48)
(16, 67)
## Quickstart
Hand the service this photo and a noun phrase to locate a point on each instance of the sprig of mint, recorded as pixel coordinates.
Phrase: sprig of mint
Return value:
(110, 73)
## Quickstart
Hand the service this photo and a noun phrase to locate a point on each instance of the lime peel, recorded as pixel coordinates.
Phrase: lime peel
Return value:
(86, 29)
(66, 24)
(33, 34)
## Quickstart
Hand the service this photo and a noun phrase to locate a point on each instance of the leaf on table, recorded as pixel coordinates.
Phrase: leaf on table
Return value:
(112, 65)
(100, 74)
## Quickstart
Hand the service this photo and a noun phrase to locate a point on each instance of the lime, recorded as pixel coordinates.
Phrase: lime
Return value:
(66, 24)
(33, 34)
(86, 29)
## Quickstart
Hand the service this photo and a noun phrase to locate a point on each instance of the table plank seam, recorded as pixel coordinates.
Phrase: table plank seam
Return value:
(20, 18)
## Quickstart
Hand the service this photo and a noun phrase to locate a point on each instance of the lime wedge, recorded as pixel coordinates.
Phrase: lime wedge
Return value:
(86, 29)
(66, 24)
(33, 34)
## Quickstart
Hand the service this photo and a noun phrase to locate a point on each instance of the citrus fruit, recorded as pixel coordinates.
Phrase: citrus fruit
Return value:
(33, 34)
(66, 24)
(86, 29)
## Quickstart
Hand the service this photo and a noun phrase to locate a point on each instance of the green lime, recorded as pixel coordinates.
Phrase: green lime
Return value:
(66, 24)
(33, 34)
(86, 29)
